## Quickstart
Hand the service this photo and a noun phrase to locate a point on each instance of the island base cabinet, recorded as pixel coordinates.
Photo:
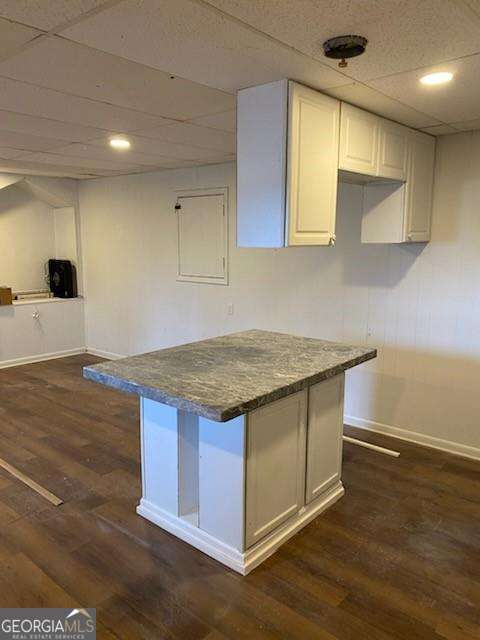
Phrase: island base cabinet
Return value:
(237, 490)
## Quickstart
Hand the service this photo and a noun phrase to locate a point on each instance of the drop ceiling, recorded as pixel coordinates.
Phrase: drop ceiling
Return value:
(165, 73)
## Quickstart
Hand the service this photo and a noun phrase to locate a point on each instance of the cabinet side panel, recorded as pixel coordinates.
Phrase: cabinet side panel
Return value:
(222, 480)
(261, 165)
(159, 434)
(324, 438)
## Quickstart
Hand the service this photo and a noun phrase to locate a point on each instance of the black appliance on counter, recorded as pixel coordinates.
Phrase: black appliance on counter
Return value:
(62, 278)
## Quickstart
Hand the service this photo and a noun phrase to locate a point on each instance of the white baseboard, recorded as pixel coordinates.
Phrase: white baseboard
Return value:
(108, 355)
(411, 436)
(241, 562)
(41, 358)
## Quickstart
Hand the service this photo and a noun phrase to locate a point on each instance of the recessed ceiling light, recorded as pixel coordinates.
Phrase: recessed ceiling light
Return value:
(120, 143)
(440, 77)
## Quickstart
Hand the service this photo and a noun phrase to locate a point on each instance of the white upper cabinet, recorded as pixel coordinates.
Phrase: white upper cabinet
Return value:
(395, 211)
(359, 134)
(287, 166)
(294, 144)
(312, 166)
(392, 151)
(419, 187)
(372, 146)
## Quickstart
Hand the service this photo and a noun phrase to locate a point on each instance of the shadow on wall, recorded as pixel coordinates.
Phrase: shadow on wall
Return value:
(13, 197)
(369, 264)
(374, 265)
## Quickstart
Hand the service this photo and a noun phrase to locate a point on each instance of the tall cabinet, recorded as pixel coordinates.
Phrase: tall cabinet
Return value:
(287, 164)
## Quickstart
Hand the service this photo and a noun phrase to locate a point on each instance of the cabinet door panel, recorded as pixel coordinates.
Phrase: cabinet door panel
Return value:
(420, 187)
(393, 151)
(358, 141)
(324, 436)
(275, 483)
(312, 166)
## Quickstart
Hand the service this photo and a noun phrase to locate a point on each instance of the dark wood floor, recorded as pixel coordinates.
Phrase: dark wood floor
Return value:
(397, 557)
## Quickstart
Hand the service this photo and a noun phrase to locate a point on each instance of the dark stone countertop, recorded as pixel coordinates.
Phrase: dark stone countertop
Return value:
(224, 377)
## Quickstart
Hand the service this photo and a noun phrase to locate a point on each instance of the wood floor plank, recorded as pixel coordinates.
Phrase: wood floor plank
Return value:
(397, 558)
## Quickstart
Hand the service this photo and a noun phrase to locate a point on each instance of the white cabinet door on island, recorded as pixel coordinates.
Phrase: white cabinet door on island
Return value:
(238, 459)
(275, 465)
(324, 440)
(287, 166)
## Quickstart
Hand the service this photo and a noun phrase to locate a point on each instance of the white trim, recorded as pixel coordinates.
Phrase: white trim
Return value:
(418, 438)
(40, 358)
(26, 301)
(372, 447)
(241, 562)
(108, 355)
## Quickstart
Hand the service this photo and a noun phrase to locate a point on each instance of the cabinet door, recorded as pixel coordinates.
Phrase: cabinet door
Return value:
(313, 136)
(358, 141)
(392, 160)
(275, 484)
(324, 436)
(421, 165)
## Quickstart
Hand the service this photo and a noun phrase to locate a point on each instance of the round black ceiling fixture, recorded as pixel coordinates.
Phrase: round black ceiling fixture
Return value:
(342, 47)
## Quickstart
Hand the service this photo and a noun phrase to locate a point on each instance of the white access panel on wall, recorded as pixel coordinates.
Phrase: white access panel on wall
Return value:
(202, 224)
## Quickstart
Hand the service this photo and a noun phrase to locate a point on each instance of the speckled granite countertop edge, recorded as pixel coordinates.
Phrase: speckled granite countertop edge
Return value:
(210, 411)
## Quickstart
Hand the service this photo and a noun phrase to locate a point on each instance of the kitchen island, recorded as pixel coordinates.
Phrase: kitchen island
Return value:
(241, 437)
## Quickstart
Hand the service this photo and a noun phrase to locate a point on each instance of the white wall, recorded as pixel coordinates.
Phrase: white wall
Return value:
(27, 239)
(65, 234)
(419, 304)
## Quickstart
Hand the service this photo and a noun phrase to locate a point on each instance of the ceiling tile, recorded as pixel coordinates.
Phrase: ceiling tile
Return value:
(402, 34)
(40, 169)
(13, 36)
(20, 123)
(469, 125)
(195, 41)
(440, 130)
(226, 121)
(374, 101)
(165, 149)
(72, 161)
(99, 76)
(106, 153)
(46, 14)
(190, 134)
(26, 141)
(456, 101)
(37, 101)
(9, 152)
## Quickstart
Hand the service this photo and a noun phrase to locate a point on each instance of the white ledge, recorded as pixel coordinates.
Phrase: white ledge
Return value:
(27, 301)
